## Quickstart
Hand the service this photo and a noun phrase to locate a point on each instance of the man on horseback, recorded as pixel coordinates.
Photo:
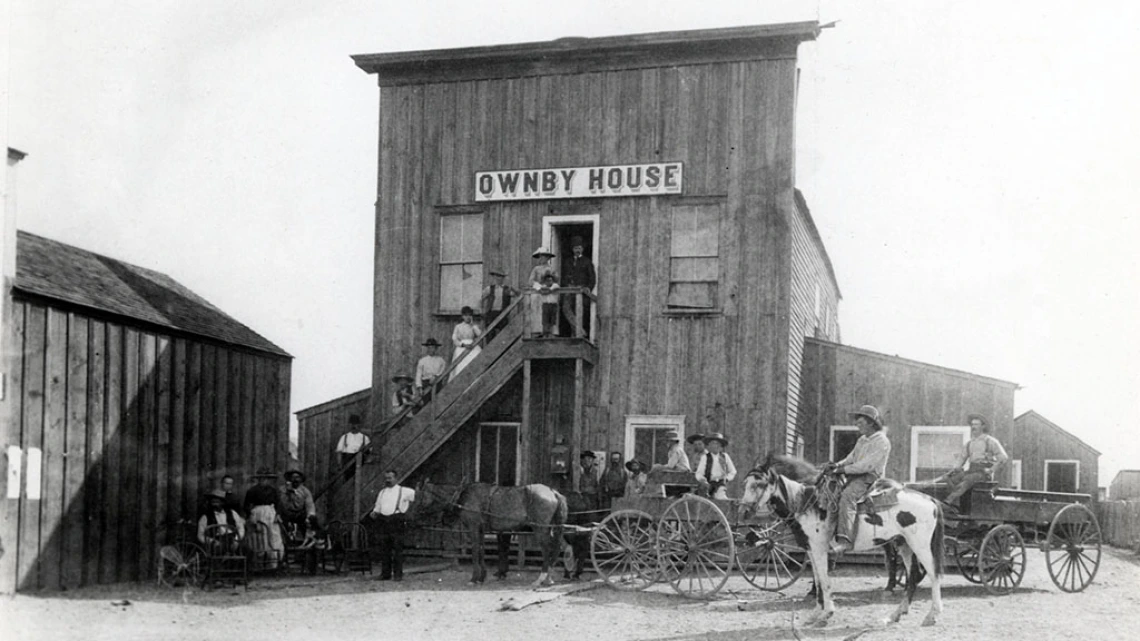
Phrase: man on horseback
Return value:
(866, 463)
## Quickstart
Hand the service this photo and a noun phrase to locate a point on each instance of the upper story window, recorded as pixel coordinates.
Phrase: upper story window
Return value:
(460, 261)
(694, 257)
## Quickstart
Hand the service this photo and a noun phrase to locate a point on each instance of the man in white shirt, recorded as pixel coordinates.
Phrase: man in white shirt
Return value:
(429, 368)
(351, 442)
(232, 530)
(980, 457)
(866, 463)
(716, 467)
(390, 515)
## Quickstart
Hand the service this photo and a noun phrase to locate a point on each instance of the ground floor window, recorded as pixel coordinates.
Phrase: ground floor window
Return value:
(647, 436)
(497, 453)
(843, 439)
(935, 450)
(1062, 476)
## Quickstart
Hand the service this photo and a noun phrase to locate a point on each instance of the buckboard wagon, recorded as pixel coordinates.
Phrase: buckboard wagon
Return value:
(692, 542)
(988, 537)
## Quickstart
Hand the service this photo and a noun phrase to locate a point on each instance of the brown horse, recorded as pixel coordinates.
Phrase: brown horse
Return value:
(486, 508)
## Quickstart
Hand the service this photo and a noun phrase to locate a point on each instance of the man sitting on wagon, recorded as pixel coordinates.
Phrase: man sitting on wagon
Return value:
(980, 457)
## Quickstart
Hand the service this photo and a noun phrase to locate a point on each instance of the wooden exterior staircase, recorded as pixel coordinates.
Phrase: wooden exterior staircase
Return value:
(407, 440)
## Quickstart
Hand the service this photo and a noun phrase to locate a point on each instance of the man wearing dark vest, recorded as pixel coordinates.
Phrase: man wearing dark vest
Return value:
(217, 513)
(390, 515)
(497, 298)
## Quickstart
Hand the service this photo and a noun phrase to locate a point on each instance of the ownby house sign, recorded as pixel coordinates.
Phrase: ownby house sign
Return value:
(605, 181)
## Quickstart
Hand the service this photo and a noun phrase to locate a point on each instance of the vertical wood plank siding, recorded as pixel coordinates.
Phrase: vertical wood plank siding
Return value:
(837, 379)
(730, 123)
(133, 425)
(318, 430)
(808, 272)
(1037, 440)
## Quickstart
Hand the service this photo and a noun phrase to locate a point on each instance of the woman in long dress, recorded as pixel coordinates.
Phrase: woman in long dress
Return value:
(463, 337)
(537, 273)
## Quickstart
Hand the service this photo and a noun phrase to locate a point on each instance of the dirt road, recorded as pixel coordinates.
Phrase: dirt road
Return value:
(440, 605)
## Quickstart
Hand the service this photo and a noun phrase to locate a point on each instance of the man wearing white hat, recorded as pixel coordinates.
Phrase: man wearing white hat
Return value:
(866, 463)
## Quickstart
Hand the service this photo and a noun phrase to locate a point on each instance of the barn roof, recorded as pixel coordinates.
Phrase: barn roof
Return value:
(1044, 421)
(911, 362)
(50, 269)
(578, 55)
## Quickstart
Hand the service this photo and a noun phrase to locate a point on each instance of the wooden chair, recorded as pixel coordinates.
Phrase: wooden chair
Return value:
(225, 562)
(349, 542)
(262, 556)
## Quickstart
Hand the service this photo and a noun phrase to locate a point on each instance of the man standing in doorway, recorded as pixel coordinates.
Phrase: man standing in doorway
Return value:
(390, 514)
(578, 271)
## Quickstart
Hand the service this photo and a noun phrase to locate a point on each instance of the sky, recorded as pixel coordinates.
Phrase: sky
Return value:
(973, 169)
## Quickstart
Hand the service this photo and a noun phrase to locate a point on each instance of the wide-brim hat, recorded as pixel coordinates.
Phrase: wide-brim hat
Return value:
(869, 411)
(587, 454)
(576, 241)
(265, 473)
(354, 419)
(981, 417)
(396, 379)
(431, 342)
(673, 436)
(542, 251)
(716, 436)
(291, 473)
(215, 494)
(693, 438)
(631, 462)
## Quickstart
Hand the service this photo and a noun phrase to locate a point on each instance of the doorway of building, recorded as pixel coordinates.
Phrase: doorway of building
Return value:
(559, 233)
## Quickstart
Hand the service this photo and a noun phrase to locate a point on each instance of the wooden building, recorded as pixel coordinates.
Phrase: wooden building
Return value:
(1125, 486)
(924, 408)
(672, 156)
(127, 397)
(1051, 459)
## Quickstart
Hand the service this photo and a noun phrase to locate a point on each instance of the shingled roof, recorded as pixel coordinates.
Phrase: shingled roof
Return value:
(58, 271)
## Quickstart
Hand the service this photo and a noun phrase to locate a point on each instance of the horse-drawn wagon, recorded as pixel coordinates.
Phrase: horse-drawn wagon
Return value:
(692, 542)
(988, 537)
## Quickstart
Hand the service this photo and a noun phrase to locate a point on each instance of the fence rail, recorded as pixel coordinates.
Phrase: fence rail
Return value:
(1120, 523)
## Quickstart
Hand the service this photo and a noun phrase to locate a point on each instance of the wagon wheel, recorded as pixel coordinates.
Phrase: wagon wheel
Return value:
(1002, 559)
(768, 555)
(966, 558)
(622, 550)
(694, 546)
(180, 564)
(1072, 548)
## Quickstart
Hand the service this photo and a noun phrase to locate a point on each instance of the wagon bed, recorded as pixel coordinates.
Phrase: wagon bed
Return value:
(988, 536)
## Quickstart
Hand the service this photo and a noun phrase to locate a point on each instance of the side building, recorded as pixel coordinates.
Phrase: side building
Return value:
(128, 396)
(1049, 458)
(671, 156)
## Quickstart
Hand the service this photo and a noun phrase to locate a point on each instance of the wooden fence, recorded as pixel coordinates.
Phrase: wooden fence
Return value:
(1120, 523)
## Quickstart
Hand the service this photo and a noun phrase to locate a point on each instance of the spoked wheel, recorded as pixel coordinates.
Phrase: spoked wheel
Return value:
(966, 558)
(695, 547)
(768, 555)
(1002, 559)
(1072, 548)
(622, 550)
(181, 564)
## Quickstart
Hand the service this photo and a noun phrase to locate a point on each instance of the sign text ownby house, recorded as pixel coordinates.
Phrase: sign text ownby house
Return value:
(607, 181)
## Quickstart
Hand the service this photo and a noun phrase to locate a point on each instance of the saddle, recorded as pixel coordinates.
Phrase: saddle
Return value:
(883, 494)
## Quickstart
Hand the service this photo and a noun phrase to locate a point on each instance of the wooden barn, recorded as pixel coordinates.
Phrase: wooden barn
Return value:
(1046, 457)
(672, 156)
(1125, 486)
(127, 396)
(924, 408)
